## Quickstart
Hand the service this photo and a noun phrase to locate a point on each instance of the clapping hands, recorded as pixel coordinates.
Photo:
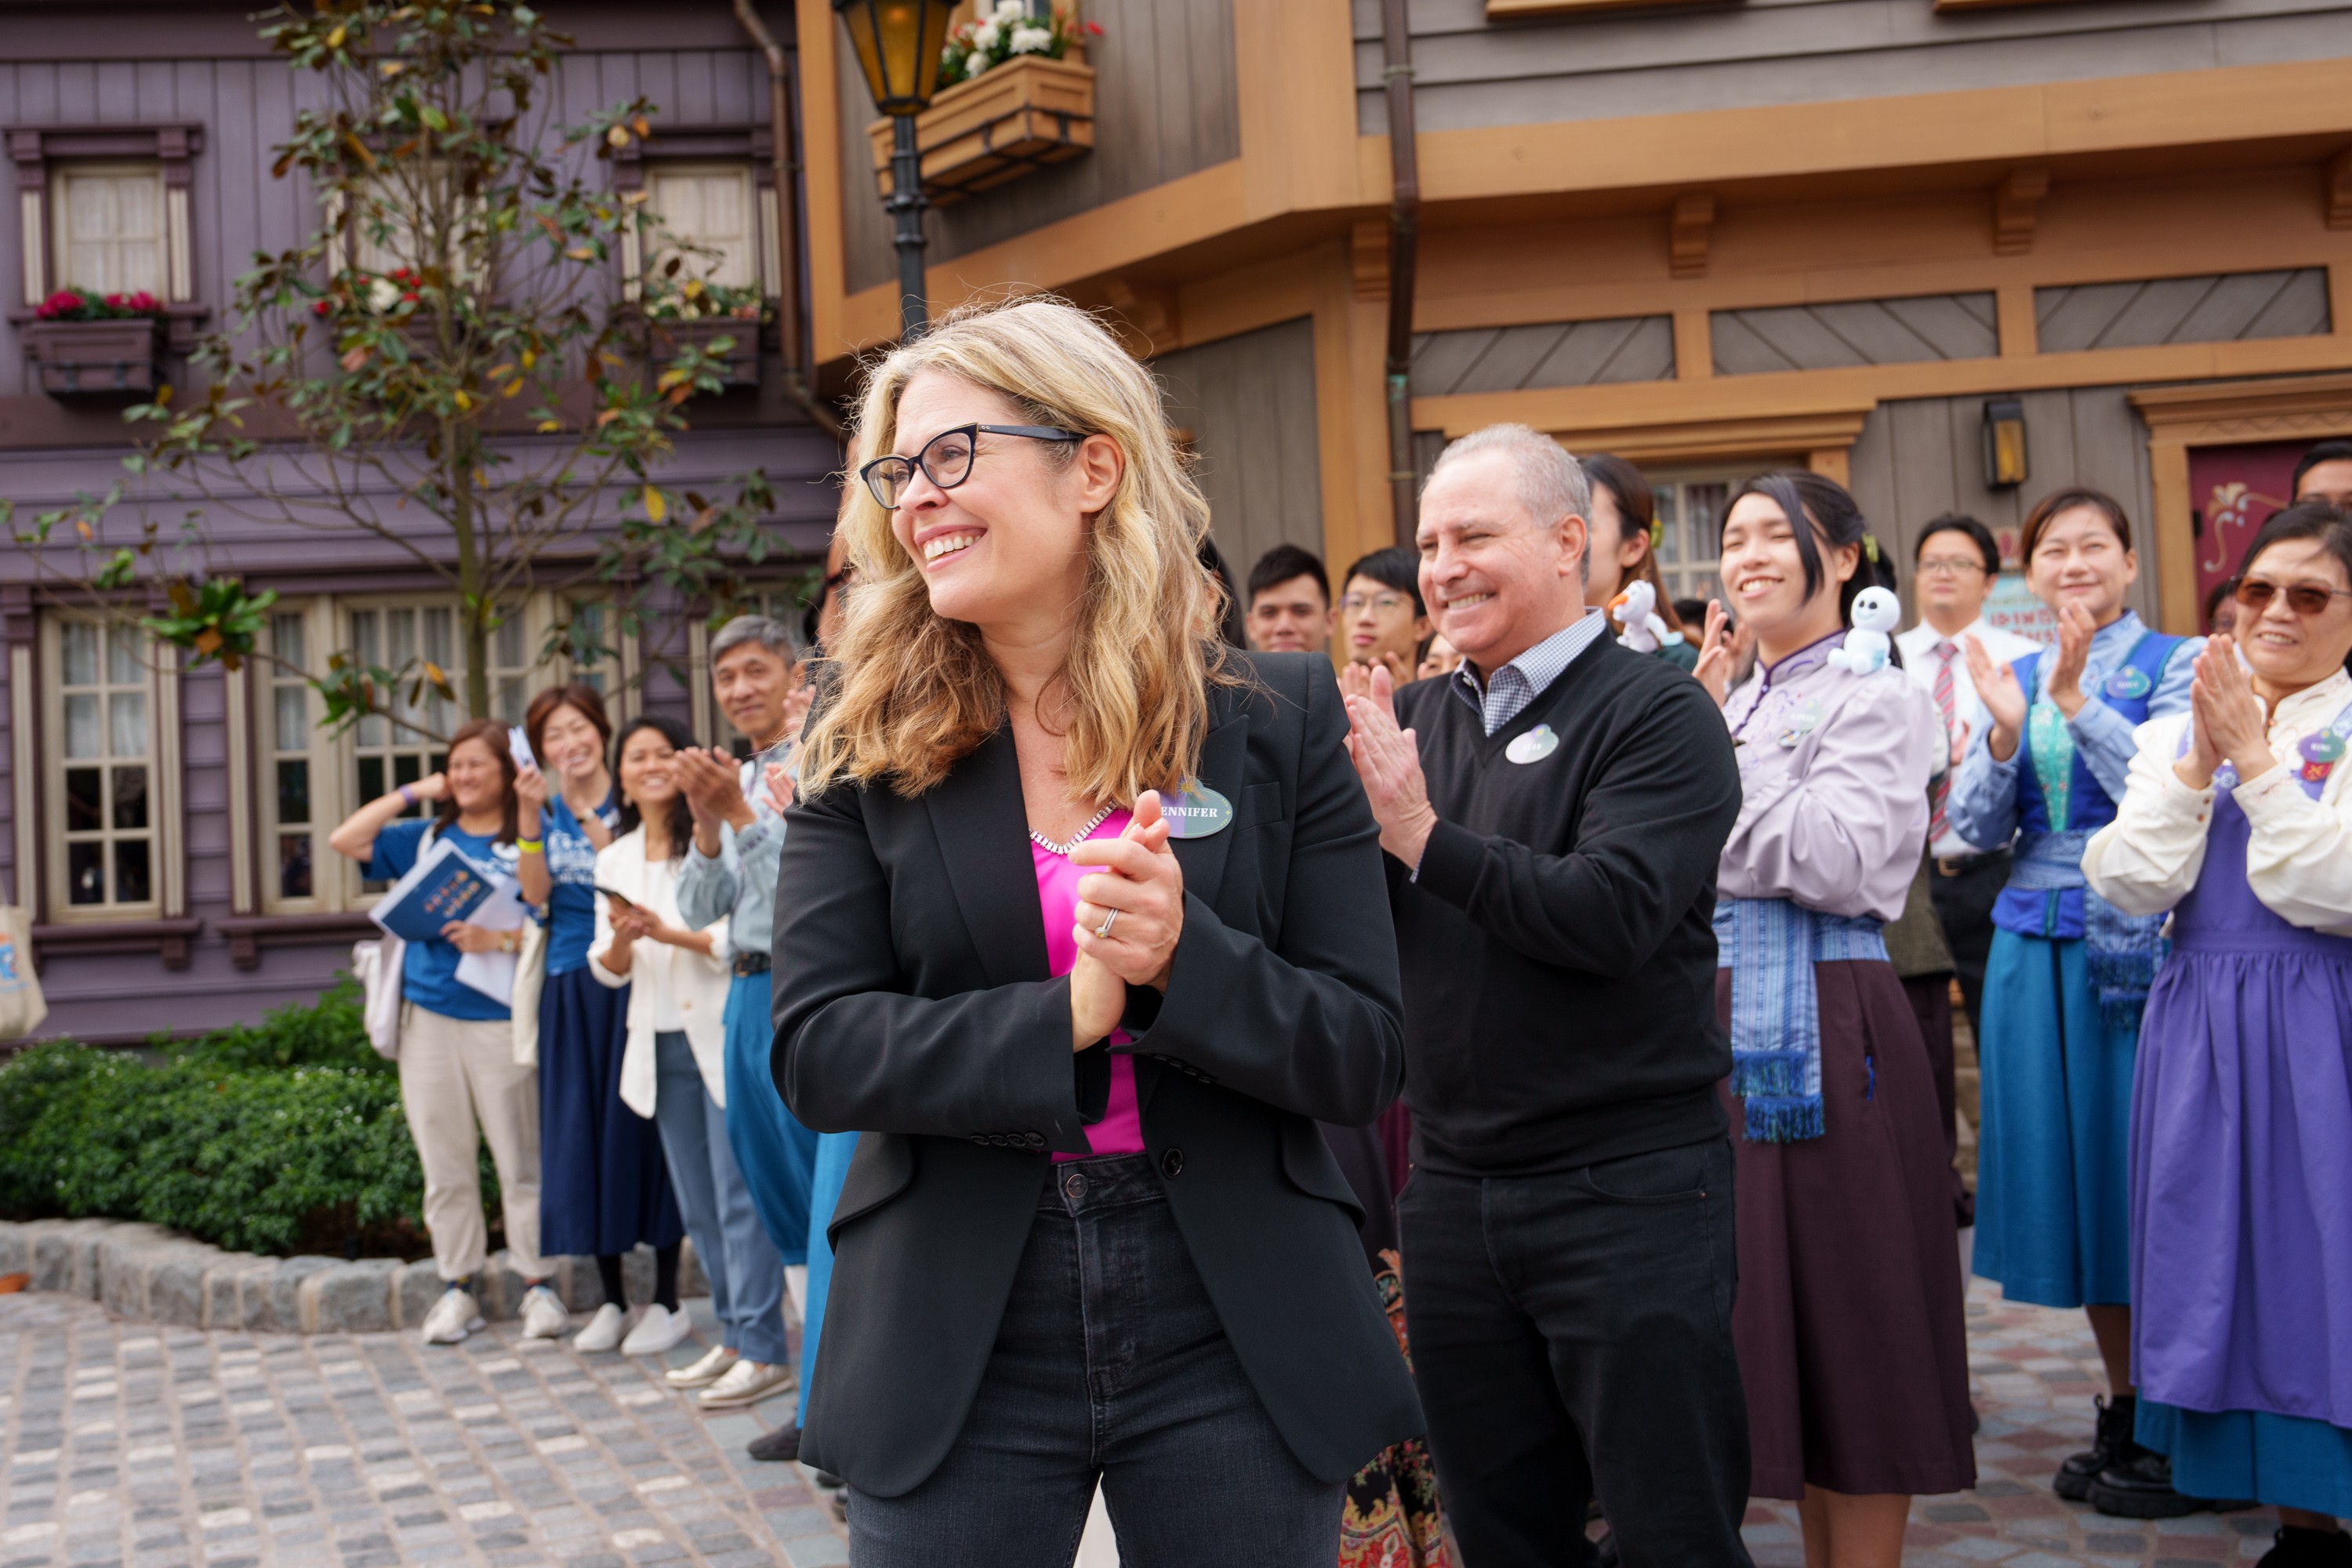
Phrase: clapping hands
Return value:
(1138, 891)
(2227, 720)
(1388, 759)
(2003, 697)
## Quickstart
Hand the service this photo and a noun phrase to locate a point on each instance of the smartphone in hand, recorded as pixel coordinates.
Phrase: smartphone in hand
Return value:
(623, 900)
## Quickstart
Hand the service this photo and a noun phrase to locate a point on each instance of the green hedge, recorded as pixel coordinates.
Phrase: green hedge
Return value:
(280, 1138)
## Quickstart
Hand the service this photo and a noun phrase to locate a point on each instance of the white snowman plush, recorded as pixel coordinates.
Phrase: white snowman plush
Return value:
(1636, 609)
(1876, 611)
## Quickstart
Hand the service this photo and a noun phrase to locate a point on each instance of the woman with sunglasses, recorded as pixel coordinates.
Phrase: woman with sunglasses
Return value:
(2068, 971)
(1090, 928)
(2238, 821)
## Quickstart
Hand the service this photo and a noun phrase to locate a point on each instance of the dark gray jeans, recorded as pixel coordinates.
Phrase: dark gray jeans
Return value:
(1110, 1363)
(1572, 1334)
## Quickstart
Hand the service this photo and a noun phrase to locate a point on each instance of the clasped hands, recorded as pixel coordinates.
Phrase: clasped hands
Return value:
(1388, 761)
(2227, 720)
(1140, 883)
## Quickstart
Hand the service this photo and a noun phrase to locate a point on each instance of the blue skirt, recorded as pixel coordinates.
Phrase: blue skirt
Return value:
(2286, 1461)
(603, 1187)
(776, 1154)
(2054, 1193)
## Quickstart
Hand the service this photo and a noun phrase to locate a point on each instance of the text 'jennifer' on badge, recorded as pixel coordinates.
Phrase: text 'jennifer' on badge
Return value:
(1534, 746)
(1193, 810)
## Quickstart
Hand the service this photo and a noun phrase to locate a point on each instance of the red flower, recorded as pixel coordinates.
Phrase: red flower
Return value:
(64, 302)
(319, 307)
(1094, 29)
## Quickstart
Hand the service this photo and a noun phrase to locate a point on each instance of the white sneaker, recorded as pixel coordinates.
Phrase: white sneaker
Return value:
(657, 1331)
(453, 1317)
(747, 1382)
(543, 1317)
(604, 1330)
(704, 1370)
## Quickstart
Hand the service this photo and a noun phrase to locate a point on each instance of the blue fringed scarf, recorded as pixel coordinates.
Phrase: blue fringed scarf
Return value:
(1770, 946)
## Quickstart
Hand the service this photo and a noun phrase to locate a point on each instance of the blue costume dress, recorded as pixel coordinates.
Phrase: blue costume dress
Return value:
(603, 1185)
(2066, 979)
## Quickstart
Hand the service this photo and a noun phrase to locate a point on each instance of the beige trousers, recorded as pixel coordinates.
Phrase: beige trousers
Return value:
(459, 1085)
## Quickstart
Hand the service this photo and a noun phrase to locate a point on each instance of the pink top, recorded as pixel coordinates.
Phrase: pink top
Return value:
(1120, 1131)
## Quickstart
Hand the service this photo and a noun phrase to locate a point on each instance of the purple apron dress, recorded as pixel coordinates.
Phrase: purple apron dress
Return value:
(2242, 1196)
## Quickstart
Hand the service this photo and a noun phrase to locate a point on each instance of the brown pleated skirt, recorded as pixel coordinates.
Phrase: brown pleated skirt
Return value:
(1850, 1321)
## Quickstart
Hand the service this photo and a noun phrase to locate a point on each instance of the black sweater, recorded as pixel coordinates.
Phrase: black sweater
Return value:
(1557, 956)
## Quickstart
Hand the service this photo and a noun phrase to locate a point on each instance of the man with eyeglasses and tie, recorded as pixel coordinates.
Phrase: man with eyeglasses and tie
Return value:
(1953, 570)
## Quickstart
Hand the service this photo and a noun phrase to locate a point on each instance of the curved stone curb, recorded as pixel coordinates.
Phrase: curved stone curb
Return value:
(154, 1275)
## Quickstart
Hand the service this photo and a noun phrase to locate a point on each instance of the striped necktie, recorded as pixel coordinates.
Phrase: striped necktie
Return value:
(1936, 824)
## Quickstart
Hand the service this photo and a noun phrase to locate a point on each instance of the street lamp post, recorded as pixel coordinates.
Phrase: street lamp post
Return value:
(898, 44)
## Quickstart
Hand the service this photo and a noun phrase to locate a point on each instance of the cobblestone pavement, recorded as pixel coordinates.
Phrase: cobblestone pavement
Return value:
(2031, 1373)
(128, 1446)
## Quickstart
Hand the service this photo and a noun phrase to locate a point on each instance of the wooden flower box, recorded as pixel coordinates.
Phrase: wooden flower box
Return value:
(1000, 125)
(116, 361)
(741, 364)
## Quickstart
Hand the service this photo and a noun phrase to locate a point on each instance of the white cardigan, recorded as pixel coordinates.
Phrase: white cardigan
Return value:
(697, 983)
(2299, 856)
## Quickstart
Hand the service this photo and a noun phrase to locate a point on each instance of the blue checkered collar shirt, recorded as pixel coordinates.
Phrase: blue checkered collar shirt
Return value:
(1530, 675)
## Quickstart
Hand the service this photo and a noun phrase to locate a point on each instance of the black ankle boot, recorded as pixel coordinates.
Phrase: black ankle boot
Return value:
(2300, 1548)
(2075, 1476)
(2138, 1485)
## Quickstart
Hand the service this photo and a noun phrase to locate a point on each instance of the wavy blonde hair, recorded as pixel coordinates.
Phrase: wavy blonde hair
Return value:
(914, 693)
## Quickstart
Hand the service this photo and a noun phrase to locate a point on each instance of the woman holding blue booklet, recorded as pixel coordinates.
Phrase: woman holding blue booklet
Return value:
(461, 1081)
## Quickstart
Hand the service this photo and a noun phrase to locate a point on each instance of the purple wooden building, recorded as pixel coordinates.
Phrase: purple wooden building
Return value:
(165, 828)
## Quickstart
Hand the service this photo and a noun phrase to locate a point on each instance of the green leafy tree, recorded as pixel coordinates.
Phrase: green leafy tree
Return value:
(444, 366)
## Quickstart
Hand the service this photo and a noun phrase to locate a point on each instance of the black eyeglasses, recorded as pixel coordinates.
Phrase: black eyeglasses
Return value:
(2304, 598)
(946, 458)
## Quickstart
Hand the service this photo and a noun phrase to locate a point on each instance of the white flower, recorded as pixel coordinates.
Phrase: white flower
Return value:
(1009, 12)
(985, 36)
(383, 294)
(974, 63)
(1032, 40)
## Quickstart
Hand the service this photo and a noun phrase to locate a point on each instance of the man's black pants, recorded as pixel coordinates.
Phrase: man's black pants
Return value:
(1571, 1336)
(1963, 901)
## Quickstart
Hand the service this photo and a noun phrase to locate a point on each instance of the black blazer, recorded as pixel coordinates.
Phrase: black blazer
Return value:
(912, 1004)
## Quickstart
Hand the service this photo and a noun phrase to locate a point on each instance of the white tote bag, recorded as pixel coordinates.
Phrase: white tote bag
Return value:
(377, 965)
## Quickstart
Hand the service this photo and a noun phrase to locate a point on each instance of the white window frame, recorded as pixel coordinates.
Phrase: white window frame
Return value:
(159, 682)
(329, 801)
(1690, 554)
(333, 761)
(758, 209)
(62, 237)
(43, 154)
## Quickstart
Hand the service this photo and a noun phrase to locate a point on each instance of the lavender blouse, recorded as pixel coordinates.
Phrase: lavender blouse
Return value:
(1120, 1131)
(1834, 771)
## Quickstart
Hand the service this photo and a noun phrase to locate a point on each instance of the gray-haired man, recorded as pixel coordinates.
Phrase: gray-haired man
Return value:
(731, 871)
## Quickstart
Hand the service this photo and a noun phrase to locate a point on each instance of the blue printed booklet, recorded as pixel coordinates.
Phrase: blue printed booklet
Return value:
(443, 886)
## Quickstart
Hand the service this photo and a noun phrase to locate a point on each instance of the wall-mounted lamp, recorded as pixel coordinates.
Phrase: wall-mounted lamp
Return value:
(2004, 442)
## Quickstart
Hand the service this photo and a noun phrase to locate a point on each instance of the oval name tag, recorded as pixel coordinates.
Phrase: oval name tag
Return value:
(2128, 684)
(1534, 746)
(1193, 810)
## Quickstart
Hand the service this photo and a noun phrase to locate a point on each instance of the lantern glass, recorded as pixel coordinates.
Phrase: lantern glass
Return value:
(2004, 443)
(898, 44)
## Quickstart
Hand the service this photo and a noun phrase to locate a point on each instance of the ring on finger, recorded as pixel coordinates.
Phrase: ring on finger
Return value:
(1104, 929)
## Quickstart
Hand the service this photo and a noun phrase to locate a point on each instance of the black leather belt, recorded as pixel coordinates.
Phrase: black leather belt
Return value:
(753, 962)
